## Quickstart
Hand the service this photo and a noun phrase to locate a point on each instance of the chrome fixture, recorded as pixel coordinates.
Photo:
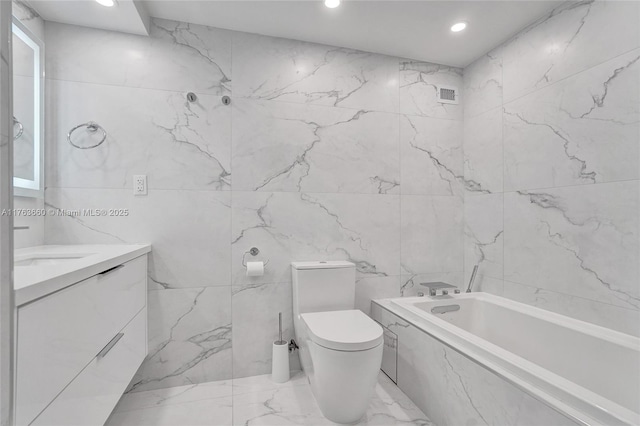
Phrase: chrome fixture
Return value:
(444, 309)
(293, 345)
(253, 251)
(20, 128)
(19, 228)
(192, 97)
(280, 341)
(92, 127)
(473, 278)
(226, 100)
(438, 285)
(110, 345)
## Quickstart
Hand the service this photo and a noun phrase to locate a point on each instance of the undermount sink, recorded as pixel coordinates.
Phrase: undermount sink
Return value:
(48, 259)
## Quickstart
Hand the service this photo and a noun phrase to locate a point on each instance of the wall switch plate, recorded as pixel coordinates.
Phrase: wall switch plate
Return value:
(139, 184)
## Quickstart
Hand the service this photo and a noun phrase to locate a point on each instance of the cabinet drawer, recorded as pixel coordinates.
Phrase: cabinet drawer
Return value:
(93, 394)
(60, 334)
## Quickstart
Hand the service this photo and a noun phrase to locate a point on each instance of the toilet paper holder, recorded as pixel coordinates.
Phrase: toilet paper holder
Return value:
(253, 251)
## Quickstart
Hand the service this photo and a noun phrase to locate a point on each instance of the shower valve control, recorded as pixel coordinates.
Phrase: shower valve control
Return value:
(139, 184)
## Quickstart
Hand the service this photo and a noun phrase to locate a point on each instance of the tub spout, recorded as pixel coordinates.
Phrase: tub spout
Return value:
(437, 285)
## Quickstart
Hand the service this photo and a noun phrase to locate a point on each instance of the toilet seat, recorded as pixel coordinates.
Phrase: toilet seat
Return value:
(350, 330)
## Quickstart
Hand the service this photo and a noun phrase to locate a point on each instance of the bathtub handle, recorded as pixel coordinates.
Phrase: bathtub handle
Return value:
(444, 309)
(437, 285)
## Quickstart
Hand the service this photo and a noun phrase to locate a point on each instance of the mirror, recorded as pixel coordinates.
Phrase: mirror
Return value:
(28, 112)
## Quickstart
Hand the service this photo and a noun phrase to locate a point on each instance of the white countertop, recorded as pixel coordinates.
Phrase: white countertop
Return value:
(34, 282)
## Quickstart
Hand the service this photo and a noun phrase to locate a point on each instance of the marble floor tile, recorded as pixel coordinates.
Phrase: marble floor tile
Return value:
(199, 404)
(295, 405)
(208, 412)
(263, 382)
(175, 395)
(255, 400)
(290, 405)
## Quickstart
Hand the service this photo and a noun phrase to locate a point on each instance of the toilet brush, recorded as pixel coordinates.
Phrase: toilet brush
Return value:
(280, 356)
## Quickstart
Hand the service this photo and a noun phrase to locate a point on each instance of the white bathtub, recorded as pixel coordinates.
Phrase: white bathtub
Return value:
(587, 372)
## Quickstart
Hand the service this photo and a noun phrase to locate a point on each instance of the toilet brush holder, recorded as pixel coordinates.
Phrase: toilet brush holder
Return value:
(280, 357)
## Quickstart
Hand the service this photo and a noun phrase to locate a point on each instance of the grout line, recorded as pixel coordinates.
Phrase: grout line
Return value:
(230, 242)
(578, 185)
(212, 191)
(221, 92)
(570, 295)
(585, 70)
(401, 120)
(503, 159)
(248, 98)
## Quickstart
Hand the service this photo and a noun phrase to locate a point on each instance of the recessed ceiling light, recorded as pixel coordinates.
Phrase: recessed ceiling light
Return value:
(107, 3)
(332, 4)
(458, 26)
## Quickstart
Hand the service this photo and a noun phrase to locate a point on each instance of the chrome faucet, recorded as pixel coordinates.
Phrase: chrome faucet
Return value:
(473, 278)
(439, 285)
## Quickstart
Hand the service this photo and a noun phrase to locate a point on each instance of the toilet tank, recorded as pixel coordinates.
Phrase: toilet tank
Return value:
(323, 286)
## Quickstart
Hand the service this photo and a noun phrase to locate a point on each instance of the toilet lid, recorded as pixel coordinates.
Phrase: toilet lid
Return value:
(343, 330)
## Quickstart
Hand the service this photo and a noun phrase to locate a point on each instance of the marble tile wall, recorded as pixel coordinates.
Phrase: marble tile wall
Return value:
(325, 153)
(551, 143)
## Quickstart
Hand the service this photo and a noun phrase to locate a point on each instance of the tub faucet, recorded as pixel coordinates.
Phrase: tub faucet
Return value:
(473, 278)
(438, 285)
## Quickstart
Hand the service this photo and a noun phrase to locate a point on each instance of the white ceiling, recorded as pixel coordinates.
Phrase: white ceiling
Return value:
(128, 16)
(409, 29)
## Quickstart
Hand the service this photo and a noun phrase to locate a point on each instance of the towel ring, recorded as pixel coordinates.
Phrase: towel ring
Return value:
(92, 127)
(20, 128)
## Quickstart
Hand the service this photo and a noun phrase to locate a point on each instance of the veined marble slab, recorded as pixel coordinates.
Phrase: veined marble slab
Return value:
(269, 68)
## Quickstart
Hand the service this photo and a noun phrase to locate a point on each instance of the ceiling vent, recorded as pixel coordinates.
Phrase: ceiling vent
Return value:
(448, 95)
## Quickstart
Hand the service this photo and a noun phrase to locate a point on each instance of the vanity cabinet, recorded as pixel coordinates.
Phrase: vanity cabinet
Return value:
(78, 348)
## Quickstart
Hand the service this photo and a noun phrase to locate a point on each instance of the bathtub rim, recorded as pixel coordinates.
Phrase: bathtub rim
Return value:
(575, 402)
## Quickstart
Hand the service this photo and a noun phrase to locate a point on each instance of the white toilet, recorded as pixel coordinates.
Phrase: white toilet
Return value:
(340, 348)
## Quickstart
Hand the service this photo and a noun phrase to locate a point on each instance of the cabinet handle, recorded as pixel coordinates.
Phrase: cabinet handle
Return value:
(109, 346)
(115, 268)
